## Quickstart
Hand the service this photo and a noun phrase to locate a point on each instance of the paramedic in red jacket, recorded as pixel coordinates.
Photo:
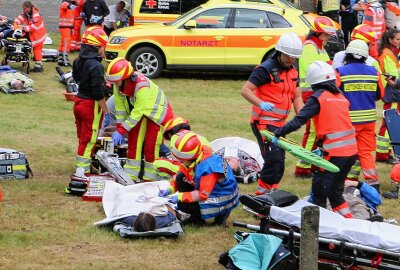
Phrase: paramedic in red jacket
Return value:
(335, 134)
(65, 25)
(78, 20)
(90, 104)
(31, 22)
(271, 89)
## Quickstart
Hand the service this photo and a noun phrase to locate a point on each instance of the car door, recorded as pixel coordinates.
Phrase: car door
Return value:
(203, 45)
(253, 33)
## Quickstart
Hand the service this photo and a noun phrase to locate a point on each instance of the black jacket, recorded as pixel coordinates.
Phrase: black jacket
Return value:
(88, 72)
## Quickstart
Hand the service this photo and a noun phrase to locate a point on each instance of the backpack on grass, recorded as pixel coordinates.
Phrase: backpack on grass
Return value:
(14, 165)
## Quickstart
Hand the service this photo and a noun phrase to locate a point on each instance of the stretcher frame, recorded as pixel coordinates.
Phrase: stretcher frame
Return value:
(335, 253)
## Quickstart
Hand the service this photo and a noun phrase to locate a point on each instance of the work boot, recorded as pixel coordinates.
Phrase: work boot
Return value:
(394, 194)
(66, 60)
(37, 68)
(303, 172)
(60, 59)
(221, 220)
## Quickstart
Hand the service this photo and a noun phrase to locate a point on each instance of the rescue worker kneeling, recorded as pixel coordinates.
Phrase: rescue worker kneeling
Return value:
(329, 111)
(141, 110)
(205, 183)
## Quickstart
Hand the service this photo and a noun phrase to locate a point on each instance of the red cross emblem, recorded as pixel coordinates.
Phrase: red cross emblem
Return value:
(151, 3)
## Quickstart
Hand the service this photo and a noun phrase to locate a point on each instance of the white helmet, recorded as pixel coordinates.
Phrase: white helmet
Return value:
(319, 72)
(371, 1)
(290, 44)
(358, 48)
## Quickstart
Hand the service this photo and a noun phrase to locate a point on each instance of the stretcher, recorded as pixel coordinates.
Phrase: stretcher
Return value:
(343, 243)
(392, 120)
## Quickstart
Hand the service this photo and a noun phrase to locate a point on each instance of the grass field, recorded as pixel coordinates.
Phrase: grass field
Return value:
(42, 228)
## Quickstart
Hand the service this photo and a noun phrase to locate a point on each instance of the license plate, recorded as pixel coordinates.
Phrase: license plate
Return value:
(18, 48)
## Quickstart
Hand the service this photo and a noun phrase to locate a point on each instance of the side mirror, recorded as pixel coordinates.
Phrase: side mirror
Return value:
(190, 24)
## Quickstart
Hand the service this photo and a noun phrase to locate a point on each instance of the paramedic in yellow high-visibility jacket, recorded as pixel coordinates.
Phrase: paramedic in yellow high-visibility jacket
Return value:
(142, 109)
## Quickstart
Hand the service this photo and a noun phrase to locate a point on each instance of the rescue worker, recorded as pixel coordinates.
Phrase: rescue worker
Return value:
(367, 34)
(329, 8)
(142, 109)
(395, 178)
(321, 31)
(329, 111)
(362, 85)
(206, 185)
(117, 17)
(389, 51)
(94, 12)
(348, 19)
(392, 14)
(90, 103)
(65, 26)
(78, 20)
(31, 22)
(271, 89)
(374, 16)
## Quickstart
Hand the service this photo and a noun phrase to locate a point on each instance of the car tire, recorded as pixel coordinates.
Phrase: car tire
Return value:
(147, 61)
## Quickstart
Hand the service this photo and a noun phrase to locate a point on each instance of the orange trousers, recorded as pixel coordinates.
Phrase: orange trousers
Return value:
(366, 145)
(76, 37)
(38, 52)
(65, 42)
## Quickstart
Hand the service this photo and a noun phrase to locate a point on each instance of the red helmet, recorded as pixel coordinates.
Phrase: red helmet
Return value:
(95, 36)
(173, 123)
(185, 145)
(364, 32)
(395, 173)
(119, 69)
(323, 24)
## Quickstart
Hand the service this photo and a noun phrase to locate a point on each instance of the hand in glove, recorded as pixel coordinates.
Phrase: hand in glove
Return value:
(267, 106)
(163, 193)
(117, 138)
(83, 15)
(106, 120)
(95, 19)
(173, 199)
(71, 6)
(275, 140)
(317, 151)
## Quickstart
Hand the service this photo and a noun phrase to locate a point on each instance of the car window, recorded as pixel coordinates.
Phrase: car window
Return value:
(188, 5)
(250, 18)
(277, 21)
(161, 7)
(213, 18)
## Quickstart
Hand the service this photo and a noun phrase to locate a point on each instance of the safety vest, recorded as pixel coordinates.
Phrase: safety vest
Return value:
(279, 93)
(392, 15)
(225, 195)
(66, 16)
(37, 31)
(359, 84)
(78, 9)
(390, 65)
(330, 5)
(374, 16)
(147, 100)
(310, 53)
(333, 125)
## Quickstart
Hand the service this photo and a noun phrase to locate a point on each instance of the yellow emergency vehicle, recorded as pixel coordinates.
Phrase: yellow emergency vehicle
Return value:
(219, 35)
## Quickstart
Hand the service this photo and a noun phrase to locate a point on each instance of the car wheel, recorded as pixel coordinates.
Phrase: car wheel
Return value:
(148, 61)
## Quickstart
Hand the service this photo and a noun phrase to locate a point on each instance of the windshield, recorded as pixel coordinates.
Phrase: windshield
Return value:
(183, 17)
(288, 3)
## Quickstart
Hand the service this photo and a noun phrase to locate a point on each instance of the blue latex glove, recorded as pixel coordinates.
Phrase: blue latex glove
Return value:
(163, 193)
(95, 19)
(83, 15)
(71, 6)
(267, 106)
(117, 138)
(106, 120)
(275, 140)
(173, 199)
(318, 152)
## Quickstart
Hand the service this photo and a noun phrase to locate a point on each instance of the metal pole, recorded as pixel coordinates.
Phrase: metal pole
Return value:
(309, 238)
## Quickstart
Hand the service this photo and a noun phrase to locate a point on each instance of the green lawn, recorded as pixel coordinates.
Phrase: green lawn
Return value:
(42, 228)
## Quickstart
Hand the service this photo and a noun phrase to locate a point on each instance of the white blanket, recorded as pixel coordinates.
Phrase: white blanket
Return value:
(121, 201)
(331, 225)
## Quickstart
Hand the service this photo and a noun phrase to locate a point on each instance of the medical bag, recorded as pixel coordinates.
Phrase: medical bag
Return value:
(14, 165)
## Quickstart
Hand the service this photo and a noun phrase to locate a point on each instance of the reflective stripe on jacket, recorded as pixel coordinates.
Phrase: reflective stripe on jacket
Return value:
(279, 93)
(359, 84)
(66, 16)
(37, 33)
(374, 16)
(147, 100)
(225, 195)
(310, 53)
(333, 125)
